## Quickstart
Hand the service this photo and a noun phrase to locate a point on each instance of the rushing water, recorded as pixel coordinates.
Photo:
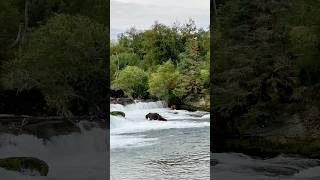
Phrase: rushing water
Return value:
(73, 156)
(176, 149)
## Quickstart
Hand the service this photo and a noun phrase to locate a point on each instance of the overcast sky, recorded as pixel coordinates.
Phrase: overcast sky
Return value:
(141, 14)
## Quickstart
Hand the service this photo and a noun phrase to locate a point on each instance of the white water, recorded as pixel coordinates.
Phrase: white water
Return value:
(177, 149)
(74, 156)
(123, 130)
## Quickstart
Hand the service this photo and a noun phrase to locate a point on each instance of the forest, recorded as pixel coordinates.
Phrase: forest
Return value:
(53, 57)
(169, 63)
(266, 75)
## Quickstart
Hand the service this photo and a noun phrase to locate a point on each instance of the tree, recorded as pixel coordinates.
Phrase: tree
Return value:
(164, 81)
(9, 20)
(65, 60)
(133, 81)
(191, 84)
(185, 46)
(252, 70)
(120, 61)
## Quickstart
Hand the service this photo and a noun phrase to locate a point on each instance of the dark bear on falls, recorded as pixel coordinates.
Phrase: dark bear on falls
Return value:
(155, 116)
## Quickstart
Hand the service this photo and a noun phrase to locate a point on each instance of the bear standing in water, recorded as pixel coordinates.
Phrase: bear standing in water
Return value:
(155, 116)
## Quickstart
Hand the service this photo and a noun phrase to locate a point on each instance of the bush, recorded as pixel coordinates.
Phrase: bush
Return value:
(65, 60)
(133, 81)
(164, 81)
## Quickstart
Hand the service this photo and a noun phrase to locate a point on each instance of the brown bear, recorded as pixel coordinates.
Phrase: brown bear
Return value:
(155, 116)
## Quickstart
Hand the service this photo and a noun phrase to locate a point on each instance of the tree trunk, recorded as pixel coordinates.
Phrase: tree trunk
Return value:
(214, 7)
(26, 24)
(18, 37)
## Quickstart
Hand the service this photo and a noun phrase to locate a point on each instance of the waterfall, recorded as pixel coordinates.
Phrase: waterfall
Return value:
(138, 105)
(123, 128)
(79, 155)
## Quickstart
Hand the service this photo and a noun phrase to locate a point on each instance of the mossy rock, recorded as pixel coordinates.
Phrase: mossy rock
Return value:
(25, 165)
(118, 113)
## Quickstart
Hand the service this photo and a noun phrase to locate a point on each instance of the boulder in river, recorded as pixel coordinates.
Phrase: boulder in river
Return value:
(155, 116)
(25, 165)
(118, 113)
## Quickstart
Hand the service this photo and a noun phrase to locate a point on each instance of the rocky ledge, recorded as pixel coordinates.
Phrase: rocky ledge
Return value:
(25, 165)
(48, 126)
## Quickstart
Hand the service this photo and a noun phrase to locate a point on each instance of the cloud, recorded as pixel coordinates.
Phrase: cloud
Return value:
(143, 13)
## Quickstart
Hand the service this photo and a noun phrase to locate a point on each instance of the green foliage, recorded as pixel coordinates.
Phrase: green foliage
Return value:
(120, 61)
(265, 60)
(163, 81)
(177, 59)
(9, 20)
(195, 69)
(132, 80)
(39, 11)
(64, 59)
(305, 42)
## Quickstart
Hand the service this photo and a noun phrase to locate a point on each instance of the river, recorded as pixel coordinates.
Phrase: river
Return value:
(179, 149)
(143, 150)
(77, 153)
(176, 149)
(229, 166)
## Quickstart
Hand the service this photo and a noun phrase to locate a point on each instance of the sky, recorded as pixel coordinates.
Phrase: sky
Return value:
(142, 14)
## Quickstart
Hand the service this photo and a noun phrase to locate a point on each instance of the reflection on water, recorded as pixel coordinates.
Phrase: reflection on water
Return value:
(173, 150)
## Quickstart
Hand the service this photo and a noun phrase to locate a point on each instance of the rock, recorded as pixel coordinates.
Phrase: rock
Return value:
(118, 113)
(123, 101)
(48, 126)
(155, 116)
(25, 165)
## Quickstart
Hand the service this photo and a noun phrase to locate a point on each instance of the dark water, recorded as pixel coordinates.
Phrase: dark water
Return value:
(229, 166)
(73, 156)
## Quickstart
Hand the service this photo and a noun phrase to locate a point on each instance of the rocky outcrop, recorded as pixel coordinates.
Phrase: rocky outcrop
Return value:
(46, 127)
(25, 165)
(123, 101)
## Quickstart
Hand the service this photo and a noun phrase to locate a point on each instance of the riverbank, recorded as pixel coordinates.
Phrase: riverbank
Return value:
(290, 137)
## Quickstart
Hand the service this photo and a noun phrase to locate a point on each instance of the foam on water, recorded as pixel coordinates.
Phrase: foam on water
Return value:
(79, 155)
(122, 133)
